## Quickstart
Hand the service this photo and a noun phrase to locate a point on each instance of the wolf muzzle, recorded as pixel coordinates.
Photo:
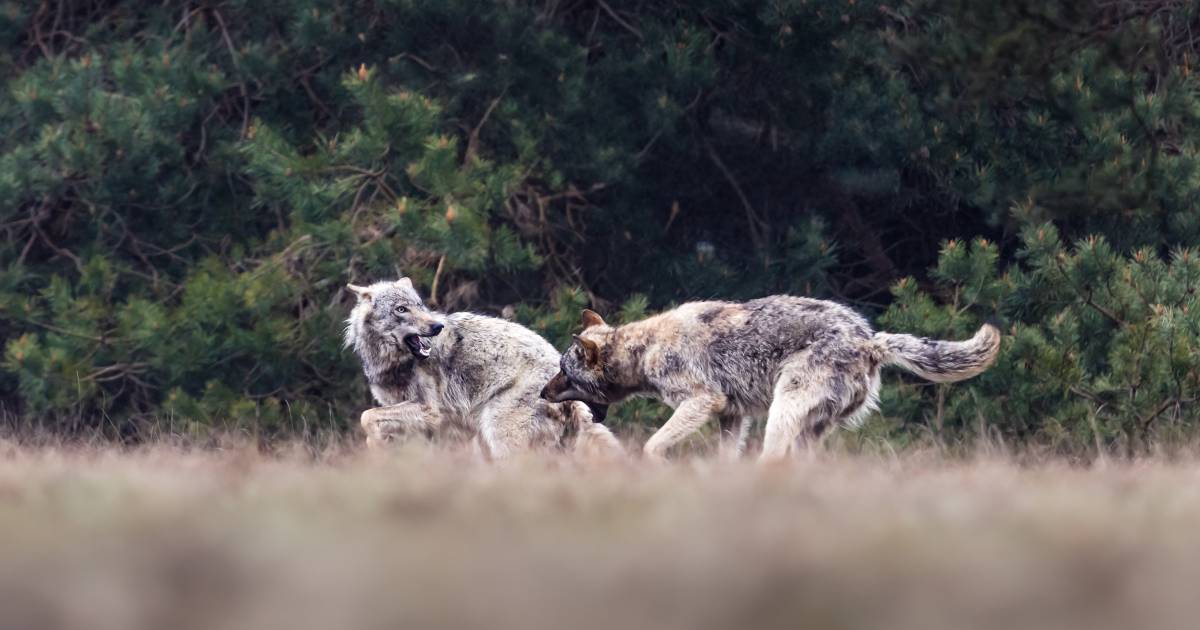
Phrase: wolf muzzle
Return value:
(554, 387)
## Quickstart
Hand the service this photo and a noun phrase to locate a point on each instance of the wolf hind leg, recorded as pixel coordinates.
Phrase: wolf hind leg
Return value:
(514, 422)
(595, 443)
(807, 444)
(852, 394)
(506, 431)
(801, 410)
(735, 433)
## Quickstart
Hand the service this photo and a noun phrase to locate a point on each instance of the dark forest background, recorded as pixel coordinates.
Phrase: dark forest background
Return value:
(185, 188)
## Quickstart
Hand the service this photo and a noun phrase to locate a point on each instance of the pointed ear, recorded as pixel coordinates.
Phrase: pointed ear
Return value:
(363, 293)
(405, 283)
(591, 318)
(591, 351)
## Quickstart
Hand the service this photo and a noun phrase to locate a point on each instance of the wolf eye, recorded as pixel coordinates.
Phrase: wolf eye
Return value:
(401, 309)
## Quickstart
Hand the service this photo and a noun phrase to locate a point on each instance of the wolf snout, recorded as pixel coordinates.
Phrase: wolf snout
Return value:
(554, 387)
(550, 390)
(436, 328)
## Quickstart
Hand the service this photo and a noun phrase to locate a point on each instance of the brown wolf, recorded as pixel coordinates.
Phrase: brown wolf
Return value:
(809, 365)
(434, 373)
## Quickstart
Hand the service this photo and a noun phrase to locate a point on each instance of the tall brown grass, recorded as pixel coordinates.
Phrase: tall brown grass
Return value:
(227, 536)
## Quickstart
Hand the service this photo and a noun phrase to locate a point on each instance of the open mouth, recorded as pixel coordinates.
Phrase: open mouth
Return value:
(418, 345)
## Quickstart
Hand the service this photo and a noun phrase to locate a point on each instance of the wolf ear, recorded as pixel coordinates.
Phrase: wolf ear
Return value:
(404, 282)
(591, 351)
(363, 293)
(591, 318)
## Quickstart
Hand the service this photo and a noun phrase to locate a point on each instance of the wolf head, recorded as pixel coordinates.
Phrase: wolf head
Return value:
(581, 368)
(391, 314)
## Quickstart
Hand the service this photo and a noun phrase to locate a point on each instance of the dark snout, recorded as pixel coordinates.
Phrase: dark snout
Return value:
(554, 388)
(436, 328)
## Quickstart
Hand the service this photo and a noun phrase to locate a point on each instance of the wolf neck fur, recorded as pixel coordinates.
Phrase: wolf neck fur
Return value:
(383, 359)
(625, 359)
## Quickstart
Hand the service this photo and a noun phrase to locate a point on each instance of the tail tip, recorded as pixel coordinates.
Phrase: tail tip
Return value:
(989, 333)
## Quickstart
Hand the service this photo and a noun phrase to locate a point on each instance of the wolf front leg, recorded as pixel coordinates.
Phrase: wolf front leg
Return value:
(690, 415)
(387, 424)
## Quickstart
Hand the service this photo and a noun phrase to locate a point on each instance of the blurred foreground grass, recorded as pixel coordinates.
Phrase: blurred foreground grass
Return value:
(164, 537)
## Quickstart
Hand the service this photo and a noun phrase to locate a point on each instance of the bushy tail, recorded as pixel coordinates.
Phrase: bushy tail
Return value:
(941, 361)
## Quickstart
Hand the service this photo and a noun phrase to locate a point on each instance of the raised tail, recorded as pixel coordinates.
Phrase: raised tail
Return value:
(941, 361)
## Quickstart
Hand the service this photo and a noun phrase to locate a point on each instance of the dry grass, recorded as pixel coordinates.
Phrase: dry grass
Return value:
(170, 538)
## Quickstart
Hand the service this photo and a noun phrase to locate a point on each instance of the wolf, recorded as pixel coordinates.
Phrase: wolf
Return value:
(809, 365)
(433, 373)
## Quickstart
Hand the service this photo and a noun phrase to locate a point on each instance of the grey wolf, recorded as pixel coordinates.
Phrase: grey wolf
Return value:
(809, 365)
(433, 373)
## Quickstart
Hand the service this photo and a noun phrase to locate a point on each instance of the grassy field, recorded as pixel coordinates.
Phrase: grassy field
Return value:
(167, 537)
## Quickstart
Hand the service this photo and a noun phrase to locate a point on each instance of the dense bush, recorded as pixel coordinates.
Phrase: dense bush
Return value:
(185, 188)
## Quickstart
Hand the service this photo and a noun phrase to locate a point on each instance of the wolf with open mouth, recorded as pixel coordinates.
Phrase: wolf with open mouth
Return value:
(436, 374)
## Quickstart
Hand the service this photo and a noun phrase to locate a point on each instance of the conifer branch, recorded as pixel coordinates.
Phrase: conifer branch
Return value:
(753, 222)
(626, 25)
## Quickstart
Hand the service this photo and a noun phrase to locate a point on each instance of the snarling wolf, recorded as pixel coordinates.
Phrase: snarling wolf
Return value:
(433, 373)
(809, 365)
